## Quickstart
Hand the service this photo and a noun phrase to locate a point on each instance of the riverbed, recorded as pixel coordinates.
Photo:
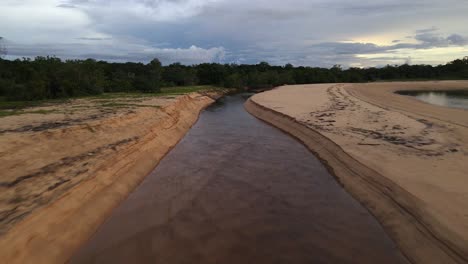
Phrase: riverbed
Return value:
(236, 190)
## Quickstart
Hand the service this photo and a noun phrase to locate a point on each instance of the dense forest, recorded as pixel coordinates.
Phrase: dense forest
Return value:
(50, 77)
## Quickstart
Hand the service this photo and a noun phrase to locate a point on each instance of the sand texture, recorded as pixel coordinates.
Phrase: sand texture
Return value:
(63, 172)
(405, 160)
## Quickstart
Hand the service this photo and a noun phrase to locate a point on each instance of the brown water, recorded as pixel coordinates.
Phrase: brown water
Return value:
(236, 190)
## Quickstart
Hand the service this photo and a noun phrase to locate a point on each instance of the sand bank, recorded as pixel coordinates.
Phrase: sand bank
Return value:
(63, 173)
(405, 160)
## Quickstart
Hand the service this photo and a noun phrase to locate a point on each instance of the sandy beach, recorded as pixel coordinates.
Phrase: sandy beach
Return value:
(72, 166)
(405, 160)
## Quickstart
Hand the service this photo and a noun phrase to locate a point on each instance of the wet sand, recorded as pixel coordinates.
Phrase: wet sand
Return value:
(236, 190)
(405, 160)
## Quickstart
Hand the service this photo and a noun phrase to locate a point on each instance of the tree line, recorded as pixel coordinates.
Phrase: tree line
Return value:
(50, 77)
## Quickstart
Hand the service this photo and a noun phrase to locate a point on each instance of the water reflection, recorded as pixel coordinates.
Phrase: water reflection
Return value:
(216, 106)
(220, 103)
(236, 190)
(456, 99)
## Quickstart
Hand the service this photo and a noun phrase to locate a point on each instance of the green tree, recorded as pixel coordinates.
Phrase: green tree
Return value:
(155, 69)
(234, 81)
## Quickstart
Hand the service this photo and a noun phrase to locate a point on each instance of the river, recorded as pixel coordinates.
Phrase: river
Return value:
(236, 190)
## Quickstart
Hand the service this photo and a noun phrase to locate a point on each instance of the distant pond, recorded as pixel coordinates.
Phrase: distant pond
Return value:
(450, 98)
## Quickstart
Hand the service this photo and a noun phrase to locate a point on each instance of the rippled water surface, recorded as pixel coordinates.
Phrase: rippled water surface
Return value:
(236, 190)
(456, 99)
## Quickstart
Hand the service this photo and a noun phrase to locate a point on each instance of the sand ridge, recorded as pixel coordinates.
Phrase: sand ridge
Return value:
(85, 169)
(418, 149)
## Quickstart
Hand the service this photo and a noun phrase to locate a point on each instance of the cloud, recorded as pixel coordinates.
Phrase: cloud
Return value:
(348, 53)
(457, 40)
(106, 49)
(42, 20)
(3, 50)
(426, 41)
(96, 38)
(426, 30)
(66, 5)
(153, 10)
(66, 30)
(429, 40)
(376, 8)
(303, 32)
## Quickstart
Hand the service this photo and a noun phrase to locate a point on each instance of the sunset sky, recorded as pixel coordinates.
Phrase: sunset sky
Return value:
(301, 32)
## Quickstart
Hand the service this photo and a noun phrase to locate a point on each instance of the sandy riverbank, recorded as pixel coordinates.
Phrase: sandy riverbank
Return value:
(63, 172)
(405, 160)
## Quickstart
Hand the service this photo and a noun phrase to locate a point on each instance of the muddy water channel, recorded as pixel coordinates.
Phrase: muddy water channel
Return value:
(236, 190)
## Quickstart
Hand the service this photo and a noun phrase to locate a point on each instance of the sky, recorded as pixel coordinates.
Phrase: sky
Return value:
(301, 32)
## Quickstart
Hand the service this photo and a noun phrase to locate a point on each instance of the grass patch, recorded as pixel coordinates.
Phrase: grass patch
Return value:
(126, 105)
(186, 89)
(179, 90)
(110, 96)
(5, 113)
(18, 105)
(42, 112)
(167, 91)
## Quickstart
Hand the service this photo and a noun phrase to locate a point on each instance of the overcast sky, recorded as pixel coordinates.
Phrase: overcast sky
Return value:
(301, 32)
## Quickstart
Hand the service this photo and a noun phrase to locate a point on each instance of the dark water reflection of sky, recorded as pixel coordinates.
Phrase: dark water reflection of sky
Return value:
(447, 99)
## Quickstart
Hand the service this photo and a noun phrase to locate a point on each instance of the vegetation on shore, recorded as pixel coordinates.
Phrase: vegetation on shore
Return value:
(52, 78)
(108, 100)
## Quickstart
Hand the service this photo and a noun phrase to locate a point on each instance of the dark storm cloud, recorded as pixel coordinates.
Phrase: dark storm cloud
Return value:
(429, 40)
(303, 32)
(458, 40)
(191, 55)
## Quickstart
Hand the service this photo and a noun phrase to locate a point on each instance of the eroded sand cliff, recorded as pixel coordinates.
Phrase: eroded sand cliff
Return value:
(63, 173)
